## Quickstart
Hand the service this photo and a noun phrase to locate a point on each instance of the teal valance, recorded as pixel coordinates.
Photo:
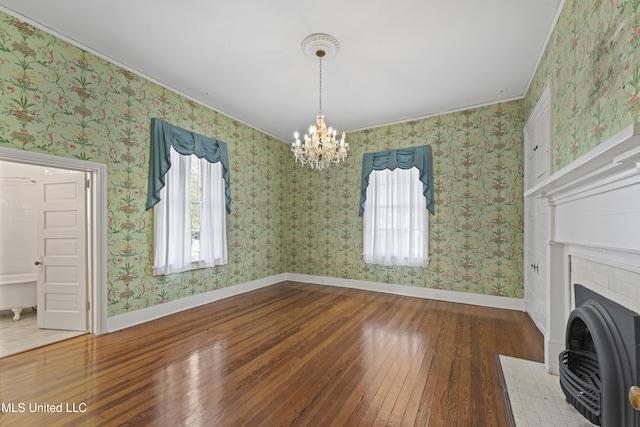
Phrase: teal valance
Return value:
(163, 137)
(404, 158)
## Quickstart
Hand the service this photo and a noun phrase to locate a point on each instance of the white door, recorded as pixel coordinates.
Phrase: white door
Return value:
(62, 275)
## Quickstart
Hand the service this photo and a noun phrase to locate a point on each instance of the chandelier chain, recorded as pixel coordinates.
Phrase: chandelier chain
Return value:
(320, 86)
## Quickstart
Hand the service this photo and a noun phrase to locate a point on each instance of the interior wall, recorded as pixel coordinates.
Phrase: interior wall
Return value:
(19, 207)
(476, 234)
(592, 63)
(61, 100)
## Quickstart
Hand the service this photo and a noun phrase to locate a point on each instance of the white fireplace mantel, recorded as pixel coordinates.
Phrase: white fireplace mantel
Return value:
(613, 163)
(595, 214)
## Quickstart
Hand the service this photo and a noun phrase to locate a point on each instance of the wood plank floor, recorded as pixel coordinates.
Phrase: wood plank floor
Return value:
(289, 354)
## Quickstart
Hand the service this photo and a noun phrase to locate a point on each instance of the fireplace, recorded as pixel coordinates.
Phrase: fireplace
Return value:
(594, 233)
(601, 360)
(594, 215)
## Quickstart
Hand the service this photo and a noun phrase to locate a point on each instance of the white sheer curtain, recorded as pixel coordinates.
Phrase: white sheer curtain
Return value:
(172, 218)
(213, 219)
(396, 224)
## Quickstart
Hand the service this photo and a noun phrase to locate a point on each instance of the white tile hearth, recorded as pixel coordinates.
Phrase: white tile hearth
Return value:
(21, 335)
(536, 397)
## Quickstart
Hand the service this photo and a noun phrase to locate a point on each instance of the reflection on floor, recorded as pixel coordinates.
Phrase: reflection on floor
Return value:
(536, 397)
(23, 334)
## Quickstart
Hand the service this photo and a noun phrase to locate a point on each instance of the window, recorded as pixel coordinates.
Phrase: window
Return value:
(190, 219)
(395, 219)
(396, 191)
(190, 193)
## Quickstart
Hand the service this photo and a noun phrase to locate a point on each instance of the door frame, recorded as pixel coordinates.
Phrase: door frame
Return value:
(532, 223)
(98, 257)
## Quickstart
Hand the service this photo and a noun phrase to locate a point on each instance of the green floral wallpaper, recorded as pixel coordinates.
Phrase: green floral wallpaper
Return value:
(61, 100)
(476, 235)
(592, 65)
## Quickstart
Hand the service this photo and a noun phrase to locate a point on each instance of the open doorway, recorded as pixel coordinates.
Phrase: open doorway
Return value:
(26, 173)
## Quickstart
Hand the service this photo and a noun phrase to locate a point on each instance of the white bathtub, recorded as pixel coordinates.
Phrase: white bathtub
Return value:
(17, 292)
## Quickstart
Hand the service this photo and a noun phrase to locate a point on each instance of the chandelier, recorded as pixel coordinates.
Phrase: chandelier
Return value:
(320, 147)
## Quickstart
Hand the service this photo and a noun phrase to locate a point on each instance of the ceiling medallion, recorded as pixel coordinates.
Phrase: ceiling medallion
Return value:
(320, 147)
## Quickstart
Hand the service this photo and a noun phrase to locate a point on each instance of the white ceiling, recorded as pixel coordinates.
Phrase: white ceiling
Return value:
(399, 60)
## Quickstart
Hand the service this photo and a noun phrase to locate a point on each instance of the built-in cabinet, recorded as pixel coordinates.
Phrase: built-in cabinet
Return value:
(537, 225)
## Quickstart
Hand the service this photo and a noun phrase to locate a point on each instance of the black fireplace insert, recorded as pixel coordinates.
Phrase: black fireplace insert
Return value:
(601, 360)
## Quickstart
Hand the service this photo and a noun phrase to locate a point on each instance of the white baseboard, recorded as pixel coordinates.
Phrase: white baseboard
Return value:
(414, 291)
(126, 320)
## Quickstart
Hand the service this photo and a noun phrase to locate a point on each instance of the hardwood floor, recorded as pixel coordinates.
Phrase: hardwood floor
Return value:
(289, 354)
